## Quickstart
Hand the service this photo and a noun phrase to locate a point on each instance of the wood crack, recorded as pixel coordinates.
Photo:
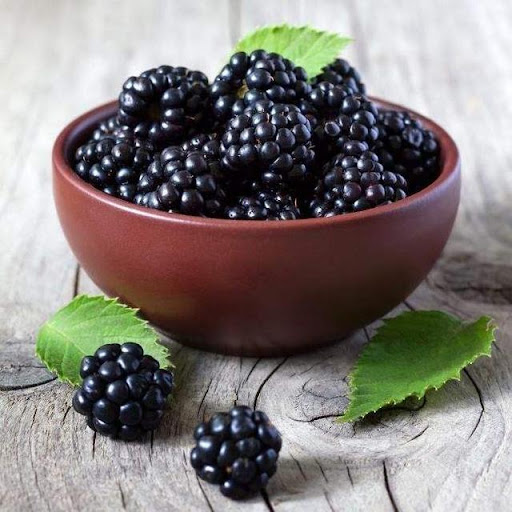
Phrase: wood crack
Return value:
(76, 280)
(204, 397)
(300, 467)
(265, 380)
(65, 414)
(210, 506)
(419, 434)
(16, 387)
(321, 469)
(93, 444)
(349, 474)
(388, 488)
(266, 500)
(481, 400)
(123, 499)
(327, 499)
(316, 418)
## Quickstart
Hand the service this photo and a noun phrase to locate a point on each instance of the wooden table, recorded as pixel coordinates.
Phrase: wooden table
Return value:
(449, 60)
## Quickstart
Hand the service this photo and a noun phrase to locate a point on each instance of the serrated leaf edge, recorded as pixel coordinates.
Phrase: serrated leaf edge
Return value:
(456, 376)
(110, 301)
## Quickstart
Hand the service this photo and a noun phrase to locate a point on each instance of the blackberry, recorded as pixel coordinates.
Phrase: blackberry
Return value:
(114, 164)
(123, 391)
(205, 142)
(106, 128)
(264, 206)
(246, 79)
(188, 182)
(355, 183)
(346, 117)
(268, 142)
(165, 104)
(341, 72)
(237, 451)
(407, 147)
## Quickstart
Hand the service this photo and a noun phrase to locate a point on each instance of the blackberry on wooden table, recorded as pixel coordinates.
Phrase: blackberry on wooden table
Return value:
(237, 450)
(123, 392)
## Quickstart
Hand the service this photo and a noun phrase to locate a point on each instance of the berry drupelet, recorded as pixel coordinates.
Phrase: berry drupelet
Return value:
(246, 79)
(165, 104)
(237, 451)
(355, 183)
(188, 182)
(113, 164)
(264, 206)
(341, 72)
(270, 143)
(123, 391)
(407, 147)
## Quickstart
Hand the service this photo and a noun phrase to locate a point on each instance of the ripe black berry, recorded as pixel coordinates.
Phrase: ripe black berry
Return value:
(188, 182)
(345, 117)
(405, 146)
(264, 205)
(270, 143)
(355, 183)
(246, 79)
(341, 72)
(237, 451)
(164, 104)
(123, 392)
(114, 163)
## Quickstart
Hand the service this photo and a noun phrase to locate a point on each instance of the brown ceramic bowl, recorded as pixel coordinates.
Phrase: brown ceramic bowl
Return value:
(251, 287)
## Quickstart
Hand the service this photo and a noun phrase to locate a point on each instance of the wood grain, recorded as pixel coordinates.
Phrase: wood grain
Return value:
(450, 452)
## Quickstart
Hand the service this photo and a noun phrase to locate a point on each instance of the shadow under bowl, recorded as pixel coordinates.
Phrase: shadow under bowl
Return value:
(254, 288)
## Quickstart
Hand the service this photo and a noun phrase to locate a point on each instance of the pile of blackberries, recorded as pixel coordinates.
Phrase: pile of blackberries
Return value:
(261, 142)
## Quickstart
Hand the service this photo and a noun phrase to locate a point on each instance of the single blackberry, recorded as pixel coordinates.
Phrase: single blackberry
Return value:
(345, 117)
(340, 72)
(264, 206)
(188, 182)
(407, 147)
(123, 392)
(114, 164)
(237, 451)
(246, 79)
(270, 143)
(165, 104)
(355, 183)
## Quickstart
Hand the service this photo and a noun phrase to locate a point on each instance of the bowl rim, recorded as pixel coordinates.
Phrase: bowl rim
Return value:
(450, 160)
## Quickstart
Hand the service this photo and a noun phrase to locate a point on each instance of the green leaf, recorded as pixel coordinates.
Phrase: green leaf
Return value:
(412, 353)
(85, 324)
(305, 46)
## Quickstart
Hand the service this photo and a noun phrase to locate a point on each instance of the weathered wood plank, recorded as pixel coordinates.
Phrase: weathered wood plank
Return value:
(450, 452)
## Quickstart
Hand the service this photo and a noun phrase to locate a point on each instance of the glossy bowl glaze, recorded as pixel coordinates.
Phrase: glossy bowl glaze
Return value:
(251, 287)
